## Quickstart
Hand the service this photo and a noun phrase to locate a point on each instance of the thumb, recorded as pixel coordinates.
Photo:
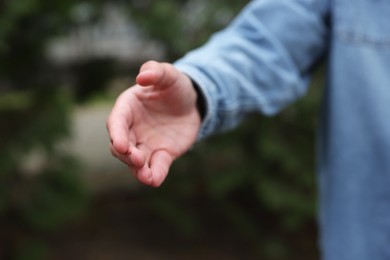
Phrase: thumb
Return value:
(160, 75)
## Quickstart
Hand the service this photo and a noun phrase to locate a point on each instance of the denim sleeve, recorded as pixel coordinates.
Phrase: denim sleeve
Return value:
(261, 62)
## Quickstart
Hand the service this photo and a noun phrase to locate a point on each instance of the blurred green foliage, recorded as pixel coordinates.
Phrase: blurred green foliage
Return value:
(182, 25)
(35, 116)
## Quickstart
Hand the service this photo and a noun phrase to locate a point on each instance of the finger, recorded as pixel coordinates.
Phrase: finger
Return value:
(157, 172)
(118, 124)
(160, 163)
(120, 156)
(118, 133)
(144, 174)
(150, 73)
(136, 157)
(160, 75)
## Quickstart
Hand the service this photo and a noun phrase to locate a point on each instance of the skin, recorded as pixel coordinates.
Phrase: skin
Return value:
(154, 122)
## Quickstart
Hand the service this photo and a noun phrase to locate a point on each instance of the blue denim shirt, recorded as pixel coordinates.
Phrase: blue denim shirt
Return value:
(263, 61)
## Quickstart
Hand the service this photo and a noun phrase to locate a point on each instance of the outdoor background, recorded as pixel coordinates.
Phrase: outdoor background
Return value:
(246, 194)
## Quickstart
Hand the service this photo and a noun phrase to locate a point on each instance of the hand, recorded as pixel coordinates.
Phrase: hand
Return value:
(154, 122)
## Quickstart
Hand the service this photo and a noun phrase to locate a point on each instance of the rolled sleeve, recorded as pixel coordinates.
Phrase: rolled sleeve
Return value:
(260, 63)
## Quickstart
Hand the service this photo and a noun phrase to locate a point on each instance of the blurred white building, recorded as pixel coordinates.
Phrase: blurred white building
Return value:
(112, 36)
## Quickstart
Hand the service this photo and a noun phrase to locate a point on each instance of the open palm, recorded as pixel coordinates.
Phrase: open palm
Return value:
(154, 122)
